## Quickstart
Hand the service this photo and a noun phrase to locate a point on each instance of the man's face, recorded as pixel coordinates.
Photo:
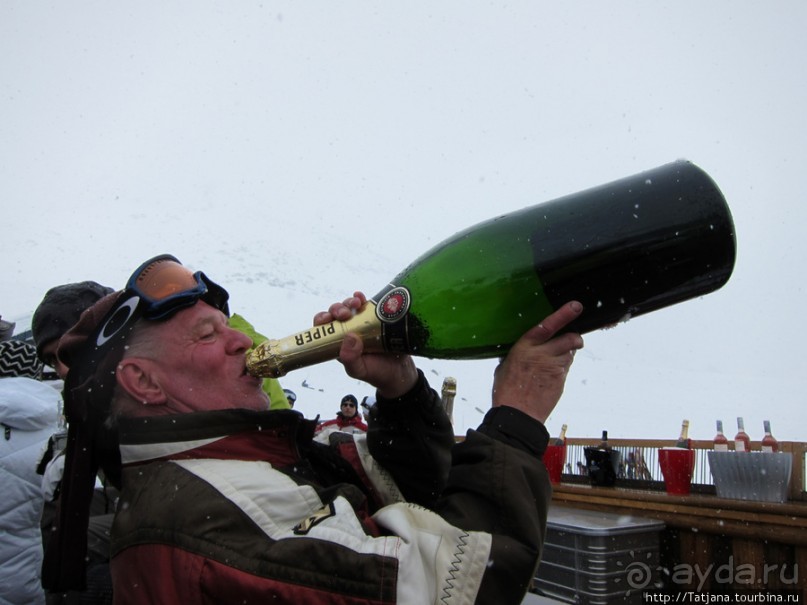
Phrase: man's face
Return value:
(200, 363)
(348, 409)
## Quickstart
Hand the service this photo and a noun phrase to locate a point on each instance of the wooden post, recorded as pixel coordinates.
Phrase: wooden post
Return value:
(748, 564)
(696, 550)
(800, 570)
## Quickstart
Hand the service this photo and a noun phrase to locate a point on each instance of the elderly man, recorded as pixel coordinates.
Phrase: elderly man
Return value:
(225, 501)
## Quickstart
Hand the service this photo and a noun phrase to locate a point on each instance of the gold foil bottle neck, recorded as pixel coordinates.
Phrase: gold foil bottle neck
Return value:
(274, 358)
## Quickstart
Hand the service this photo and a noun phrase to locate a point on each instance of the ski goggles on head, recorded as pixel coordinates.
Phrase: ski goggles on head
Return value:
(156, 290)
(164, 286)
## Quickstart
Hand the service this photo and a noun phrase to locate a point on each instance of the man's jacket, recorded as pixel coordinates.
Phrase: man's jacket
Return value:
(244, 507)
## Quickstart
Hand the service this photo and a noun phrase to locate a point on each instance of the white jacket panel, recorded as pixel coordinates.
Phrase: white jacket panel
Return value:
(29, 415)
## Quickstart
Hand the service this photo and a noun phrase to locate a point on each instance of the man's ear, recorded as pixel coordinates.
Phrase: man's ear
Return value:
(135, 376)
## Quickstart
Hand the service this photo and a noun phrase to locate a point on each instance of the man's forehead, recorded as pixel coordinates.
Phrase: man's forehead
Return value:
(201, 313)
(189, 320)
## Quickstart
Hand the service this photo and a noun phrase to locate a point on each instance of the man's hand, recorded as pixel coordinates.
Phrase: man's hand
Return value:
(532, 376)
(392, 374)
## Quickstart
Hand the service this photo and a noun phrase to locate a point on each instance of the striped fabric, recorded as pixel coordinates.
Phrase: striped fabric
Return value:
(18, 358)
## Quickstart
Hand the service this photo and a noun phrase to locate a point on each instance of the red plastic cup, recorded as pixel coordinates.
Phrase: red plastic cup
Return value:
(677, 466)
(554, 459)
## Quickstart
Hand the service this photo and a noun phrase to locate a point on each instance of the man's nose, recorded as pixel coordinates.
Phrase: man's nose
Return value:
(238, 342)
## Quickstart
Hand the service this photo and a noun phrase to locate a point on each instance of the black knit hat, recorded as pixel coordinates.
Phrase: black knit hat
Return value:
(61, 308)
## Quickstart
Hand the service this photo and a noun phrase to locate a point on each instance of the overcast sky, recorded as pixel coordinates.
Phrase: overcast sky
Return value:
(298, 151)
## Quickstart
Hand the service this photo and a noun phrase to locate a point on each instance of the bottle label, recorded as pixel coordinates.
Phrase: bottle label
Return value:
(314, 334)
(393, 305)
(739, 446)
(721, 447)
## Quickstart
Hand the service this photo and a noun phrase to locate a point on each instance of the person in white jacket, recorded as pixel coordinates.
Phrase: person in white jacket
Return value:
(29, 416)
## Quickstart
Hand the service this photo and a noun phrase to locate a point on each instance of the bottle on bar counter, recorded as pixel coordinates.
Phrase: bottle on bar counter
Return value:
(603, 445)
(742, 442)
(683, 438)
(449, 391)
(622, 249)
(561, 439)
(721, 442)
(769, 442)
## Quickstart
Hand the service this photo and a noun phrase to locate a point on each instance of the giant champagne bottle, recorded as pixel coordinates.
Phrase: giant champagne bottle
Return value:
(622, 249)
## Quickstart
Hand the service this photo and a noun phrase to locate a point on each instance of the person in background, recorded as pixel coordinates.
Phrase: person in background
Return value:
(6, 329)
(367, 404)
(224, 500)
(641, 471)
(29, 413)
(59, 310)
(291, 397)
(348, 419)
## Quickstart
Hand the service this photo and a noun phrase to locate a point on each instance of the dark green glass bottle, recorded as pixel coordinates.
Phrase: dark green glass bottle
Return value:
(622, 249)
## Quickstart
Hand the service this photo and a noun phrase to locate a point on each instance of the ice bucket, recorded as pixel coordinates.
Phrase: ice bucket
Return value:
(759, 476)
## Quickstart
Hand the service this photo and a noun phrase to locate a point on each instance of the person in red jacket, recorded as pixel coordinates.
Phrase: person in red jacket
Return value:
(348, 419)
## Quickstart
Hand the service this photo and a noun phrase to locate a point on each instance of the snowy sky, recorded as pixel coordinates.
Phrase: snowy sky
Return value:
(298, 151)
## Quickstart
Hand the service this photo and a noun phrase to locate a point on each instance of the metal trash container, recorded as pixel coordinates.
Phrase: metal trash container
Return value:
(598, 558)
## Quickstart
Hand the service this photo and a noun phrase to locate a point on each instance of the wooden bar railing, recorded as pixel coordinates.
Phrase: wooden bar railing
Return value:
(710, 543)
(646, 451)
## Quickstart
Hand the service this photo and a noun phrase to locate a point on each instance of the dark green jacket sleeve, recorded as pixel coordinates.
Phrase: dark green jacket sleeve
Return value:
(498, 484)
(494, 481)
(412, 437)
